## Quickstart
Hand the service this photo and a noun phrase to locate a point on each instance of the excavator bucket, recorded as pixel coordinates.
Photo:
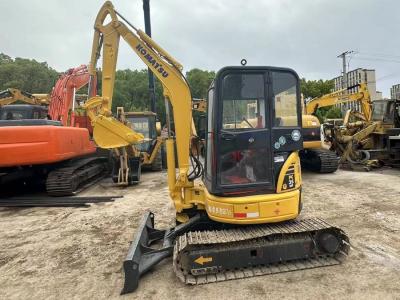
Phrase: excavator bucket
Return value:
(110, 133)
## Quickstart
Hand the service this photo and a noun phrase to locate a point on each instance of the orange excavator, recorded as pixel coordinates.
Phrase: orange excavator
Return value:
(51, 147)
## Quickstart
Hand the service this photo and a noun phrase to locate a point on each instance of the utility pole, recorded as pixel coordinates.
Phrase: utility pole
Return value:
(147, 29)
(344, 78)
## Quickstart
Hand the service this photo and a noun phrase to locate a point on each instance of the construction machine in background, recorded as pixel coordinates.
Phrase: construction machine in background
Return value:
(150, 149)
(362, 97)
(35, 107)
(370, 141)
(366, 138)
(317, 155)
(40, 148)
(251, 177)
(12, 95)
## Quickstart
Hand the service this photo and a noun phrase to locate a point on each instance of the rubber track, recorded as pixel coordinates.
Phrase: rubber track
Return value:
(74, 177)
(323, 161)
(248, 235)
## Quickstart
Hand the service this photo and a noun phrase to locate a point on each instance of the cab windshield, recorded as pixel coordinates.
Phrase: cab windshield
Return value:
(243, 101)
(379, 110)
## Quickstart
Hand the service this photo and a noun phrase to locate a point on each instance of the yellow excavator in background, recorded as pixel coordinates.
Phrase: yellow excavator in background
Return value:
(12, 95)
(362, 97)
(251, 177)
(316, 156)
(152, 152)
(35, 107)
(367, 138)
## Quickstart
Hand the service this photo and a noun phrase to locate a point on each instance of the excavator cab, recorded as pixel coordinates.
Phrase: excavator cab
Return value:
(146, 124)
(387, 112)
(254, 124)
(22, 112)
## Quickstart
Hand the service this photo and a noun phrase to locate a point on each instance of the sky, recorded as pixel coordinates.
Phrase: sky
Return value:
(305, 35)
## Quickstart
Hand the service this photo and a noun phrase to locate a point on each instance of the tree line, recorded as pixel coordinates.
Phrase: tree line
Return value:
(131, 86)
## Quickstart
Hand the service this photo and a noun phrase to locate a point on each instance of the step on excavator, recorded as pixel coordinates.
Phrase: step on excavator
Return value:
(40, 144)
(245, 202)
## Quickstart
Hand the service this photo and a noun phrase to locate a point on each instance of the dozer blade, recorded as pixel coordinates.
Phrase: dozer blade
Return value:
(141, 257)
(110, 133)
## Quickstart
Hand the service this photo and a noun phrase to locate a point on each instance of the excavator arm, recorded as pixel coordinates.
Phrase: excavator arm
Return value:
(339, 97)
(63, 95)
(110, 133)
(11, 95)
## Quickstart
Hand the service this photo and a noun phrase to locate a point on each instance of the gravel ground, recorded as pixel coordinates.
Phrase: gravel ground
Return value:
(77, 253)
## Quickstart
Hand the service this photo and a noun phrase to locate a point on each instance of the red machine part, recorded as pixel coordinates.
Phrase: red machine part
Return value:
(62, 97)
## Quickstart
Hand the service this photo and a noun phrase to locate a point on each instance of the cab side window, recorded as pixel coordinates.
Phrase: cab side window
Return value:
(284, 88)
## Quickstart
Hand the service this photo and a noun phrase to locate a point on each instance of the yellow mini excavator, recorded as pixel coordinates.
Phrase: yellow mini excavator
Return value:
(237, 218)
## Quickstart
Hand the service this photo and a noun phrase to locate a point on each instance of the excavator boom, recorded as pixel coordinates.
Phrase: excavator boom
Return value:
(340, 97)
(11, 95)
(167, 70)
(62, 105)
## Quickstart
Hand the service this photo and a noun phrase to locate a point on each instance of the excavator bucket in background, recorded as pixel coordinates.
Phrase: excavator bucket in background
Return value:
(109, 133)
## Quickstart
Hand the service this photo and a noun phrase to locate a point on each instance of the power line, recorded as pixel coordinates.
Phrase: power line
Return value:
(377, 59)
(384, 55)
(388, 76)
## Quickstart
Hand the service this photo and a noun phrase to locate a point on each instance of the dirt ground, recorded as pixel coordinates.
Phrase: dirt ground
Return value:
(77, 253)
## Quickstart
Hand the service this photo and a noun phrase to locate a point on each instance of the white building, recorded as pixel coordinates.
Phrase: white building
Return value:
(395, 91)
(354, 78)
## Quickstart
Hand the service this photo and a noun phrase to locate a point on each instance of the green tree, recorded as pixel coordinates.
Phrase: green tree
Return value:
(131, 89)
(199, 82)
(315, 88)
(26, 74)
(333, 113)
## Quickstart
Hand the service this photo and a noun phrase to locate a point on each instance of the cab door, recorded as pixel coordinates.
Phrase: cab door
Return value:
(243, 137)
